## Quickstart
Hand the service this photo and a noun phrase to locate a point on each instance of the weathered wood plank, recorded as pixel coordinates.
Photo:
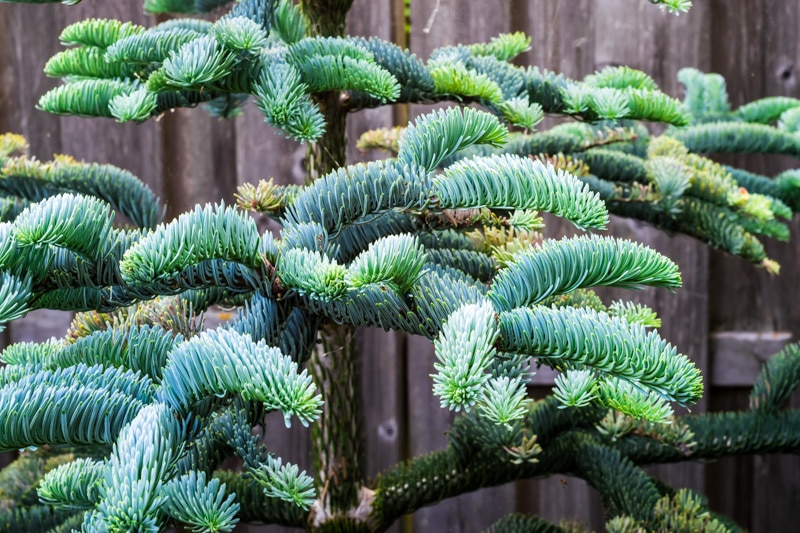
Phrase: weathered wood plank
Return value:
(776, 498)
(23, 53)
(382, 357)
(758, 492)
(427, 426)
(262, 153)
(737, 356)
(198, 160)
(660, 45)
(562, 34)
(382, 384)
(448, 22)
(570, 499)
(758, 58)
(730, 480)
(562, 40)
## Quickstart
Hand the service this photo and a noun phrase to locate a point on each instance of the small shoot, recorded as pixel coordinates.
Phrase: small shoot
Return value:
(575, 388)
(201, 504)
(285, 481)
(526, 451)
(504, 47)
(240, 34)
(522, 113)
(633, 401)
(312, 274)
(396, 260)
(457, 81)
(635, 313)
(265, 197)
(504, 400)
(673, 6)
(465, 349)
(138, 105)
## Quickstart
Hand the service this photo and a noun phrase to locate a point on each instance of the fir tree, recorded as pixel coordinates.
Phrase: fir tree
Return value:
(135, 409)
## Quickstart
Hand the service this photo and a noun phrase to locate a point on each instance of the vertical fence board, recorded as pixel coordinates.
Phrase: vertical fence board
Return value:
(424, 413)
(776, 499)
(730, 479)
(198, 160)
(562, 40)
(262, 153)
(758, 56)
(24, 53)
(561, 32)
(660, 45)
(758, 59)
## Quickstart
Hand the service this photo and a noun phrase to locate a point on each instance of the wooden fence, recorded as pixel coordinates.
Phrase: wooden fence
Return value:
(728, 315)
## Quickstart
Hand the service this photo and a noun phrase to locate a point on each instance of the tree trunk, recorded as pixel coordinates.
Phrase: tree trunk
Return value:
(335, 437)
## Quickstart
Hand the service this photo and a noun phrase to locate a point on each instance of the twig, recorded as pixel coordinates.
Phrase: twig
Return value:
(429, 25)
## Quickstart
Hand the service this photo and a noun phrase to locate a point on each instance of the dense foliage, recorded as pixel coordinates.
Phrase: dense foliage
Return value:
(129, 416)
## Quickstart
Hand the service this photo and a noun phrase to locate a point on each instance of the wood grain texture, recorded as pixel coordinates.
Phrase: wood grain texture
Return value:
(757, 50)
(730, 480)
(758, 58)
(739, 355)
(198, 160)
(24, 52)
(561, 32)
(776, 498)
(660, 45)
